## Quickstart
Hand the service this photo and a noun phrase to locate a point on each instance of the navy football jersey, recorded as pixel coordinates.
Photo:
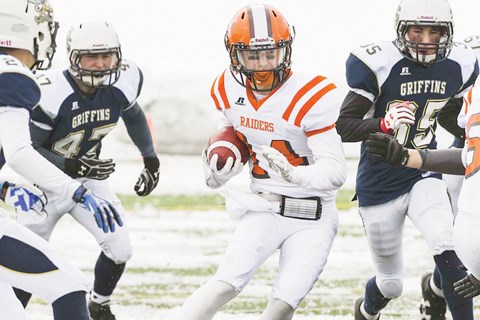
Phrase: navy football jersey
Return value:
(382, 74)
(78, 122)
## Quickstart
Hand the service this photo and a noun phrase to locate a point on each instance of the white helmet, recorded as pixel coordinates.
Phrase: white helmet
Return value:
(94, 37)
(433, 13)
(29, 25)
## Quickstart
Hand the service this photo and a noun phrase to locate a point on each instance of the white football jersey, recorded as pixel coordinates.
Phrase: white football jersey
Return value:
(471, 152)
(19, 94)
(474, 43)
(304, 106)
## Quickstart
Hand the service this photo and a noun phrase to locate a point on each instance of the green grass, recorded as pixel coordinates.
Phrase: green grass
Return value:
(200, 202)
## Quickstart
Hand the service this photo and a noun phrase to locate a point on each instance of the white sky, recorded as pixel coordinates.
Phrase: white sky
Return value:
(185, 38)
(178, 44)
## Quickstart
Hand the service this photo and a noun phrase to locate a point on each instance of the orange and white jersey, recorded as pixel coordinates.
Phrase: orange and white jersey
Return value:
(298, 119)
(471, 151)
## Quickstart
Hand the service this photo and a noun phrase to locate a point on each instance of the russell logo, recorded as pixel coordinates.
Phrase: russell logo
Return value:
(240, 101)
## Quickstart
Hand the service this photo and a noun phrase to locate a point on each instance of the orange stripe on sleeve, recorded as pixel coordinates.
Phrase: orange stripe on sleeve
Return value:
(311, 102)
(214, 97)
(223, 93)
(300, 94)
(314, 132)
(465, 101)
(469, 95)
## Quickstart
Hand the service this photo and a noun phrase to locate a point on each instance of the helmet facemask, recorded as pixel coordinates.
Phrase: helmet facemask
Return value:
(421, 52)
(44, 56)
(261, 68)
(96, 78)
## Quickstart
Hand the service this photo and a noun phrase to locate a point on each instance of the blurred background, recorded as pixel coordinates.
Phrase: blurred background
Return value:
(179, 47)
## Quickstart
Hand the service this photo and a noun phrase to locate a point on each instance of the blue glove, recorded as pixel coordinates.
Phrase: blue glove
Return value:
(104, 212)
(23, 197)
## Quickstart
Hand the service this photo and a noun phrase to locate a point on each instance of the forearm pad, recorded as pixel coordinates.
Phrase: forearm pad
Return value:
(447, 161)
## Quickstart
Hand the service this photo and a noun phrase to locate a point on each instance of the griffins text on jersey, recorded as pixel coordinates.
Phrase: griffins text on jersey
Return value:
(90, 116)
(422, 86)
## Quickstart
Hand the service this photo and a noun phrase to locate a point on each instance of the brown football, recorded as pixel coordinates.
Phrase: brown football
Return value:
(226, 143)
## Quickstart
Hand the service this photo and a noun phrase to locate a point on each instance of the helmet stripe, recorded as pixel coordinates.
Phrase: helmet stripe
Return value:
(260, 24)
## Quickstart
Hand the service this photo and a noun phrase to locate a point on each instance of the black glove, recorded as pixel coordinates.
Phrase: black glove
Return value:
(468, 287)
(386, 148)
(98, 169)
(148, 179)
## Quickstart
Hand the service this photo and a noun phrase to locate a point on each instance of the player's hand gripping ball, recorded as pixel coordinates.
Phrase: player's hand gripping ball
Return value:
(225, 143)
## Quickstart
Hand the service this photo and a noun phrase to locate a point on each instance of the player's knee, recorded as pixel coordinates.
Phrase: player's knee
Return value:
(391, 288)
(119, 256)
(117, 249)
(238, 267)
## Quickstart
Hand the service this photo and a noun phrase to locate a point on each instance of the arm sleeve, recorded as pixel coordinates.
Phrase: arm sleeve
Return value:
(138, 130)
(350, 124)
(447, 117)
(447, 161)
(329, 171)
(39, 136)
(23, 159)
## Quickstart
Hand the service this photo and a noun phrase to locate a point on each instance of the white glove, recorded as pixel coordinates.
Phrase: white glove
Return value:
(215, 178)
(23, 197)
(278, 162)
(399, 113)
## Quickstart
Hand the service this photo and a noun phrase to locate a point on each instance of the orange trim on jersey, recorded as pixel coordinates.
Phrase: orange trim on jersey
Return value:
(465, 101)
(468, 99)
(469, 95)
(223, 92)
(214, 97)
(311, 102)
(300, 94)
(314, 132)
(256, 104)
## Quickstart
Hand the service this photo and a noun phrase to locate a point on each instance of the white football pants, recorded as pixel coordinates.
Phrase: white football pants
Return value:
(304, 247)
(116, 245)
(466, 236)
(18, 247)
(428, 207)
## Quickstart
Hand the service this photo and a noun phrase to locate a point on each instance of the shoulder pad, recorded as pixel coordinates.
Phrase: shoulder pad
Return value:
(18, 87)
(130, 81)
(466, 59)
(474, 43)
(55, 90)
(9, 64)
(319, 103)
(369, 66)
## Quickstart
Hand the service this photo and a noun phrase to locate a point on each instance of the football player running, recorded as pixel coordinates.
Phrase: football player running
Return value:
(79, 107)
(296, 166)
(27, 42)
(456, 162)
(398, 88)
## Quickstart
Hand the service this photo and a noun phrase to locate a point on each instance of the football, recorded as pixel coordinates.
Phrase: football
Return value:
(226, 143)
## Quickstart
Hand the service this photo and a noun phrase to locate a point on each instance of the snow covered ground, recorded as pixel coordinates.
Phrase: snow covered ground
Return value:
(177, 251)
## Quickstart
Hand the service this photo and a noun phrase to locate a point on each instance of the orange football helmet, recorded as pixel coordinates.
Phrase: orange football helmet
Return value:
(259, 41)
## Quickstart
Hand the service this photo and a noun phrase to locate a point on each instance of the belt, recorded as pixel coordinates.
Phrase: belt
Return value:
(298, 208)
(271, 196)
